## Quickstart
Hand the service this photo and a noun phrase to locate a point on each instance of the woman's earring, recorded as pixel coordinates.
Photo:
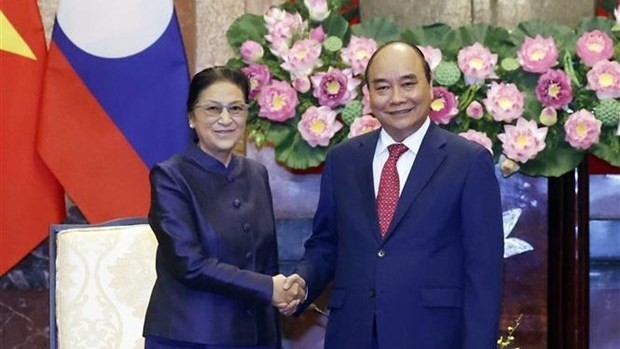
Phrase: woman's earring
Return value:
(191, 125)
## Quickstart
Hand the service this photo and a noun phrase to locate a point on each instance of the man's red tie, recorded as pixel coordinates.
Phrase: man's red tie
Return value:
(389, 188)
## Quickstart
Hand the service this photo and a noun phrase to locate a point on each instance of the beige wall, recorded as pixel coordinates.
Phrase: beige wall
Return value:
(506, 13)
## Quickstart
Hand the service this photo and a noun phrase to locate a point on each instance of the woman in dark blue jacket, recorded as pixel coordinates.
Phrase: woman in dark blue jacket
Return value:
(211, 210)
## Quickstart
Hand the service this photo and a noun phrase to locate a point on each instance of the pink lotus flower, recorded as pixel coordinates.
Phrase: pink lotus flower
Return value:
(504, 102)
(317, 34)
(277, 101)
(335, 87)
(554, 89)
(301, 59)
(538, 54)
(594, 46)
(317, 9)
(318, 125)
(281, 24)
(251, 51)
(582, 129)
(281, 27)
(259, 76)
(604, 79)
(363, 125)
(432, 56)
(548, 116)
(478, 137)
(477, 63)
(302, 84)
(475, 110)
(279, 47)
(444, 106)
(523, 141)
(357, 53)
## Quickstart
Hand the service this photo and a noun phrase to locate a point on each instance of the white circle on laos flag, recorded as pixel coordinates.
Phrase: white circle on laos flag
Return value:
(114, 28)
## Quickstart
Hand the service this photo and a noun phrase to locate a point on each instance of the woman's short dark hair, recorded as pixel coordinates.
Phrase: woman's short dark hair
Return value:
(209, 76)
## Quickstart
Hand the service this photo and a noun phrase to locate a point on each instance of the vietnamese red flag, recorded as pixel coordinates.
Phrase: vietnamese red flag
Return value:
(32, 199)
(113, 102)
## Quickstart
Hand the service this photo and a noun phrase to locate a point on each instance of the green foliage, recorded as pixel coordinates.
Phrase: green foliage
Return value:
(336, 25)
(246, 27)
(553, 161)
(563, 36)
(435, 35)
(608, 147)
(495, 38)
(609, 5)
(380, 29)
(594, 23)
(558, 156)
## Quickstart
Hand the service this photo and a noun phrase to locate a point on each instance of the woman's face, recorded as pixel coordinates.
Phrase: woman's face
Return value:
(219, 118)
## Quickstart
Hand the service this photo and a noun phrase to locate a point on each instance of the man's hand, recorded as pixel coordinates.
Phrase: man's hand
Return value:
(288, 293)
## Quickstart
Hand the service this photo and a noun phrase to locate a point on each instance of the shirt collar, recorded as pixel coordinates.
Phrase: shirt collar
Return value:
(413, 142)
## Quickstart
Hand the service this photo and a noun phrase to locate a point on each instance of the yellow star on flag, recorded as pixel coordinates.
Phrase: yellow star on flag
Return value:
(11, 41)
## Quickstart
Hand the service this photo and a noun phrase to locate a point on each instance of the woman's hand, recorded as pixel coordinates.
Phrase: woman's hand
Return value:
(288, 293)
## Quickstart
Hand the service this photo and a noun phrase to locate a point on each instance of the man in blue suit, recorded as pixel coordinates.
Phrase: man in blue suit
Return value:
(415, 256)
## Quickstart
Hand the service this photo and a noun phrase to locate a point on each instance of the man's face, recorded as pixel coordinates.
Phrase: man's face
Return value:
(400, 95)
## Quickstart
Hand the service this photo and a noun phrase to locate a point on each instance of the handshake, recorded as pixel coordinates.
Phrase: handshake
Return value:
(288, 293)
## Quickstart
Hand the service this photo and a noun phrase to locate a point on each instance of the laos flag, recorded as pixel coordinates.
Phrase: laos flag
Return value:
(113, 102)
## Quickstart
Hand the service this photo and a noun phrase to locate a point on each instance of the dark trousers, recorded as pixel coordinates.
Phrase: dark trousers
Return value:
(153, 342)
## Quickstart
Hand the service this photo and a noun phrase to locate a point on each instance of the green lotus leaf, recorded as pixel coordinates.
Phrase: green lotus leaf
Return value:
(381, 30)
(336, 25)
(494, 38)
(594, 23)
(554, 161)
(295, 153)
(246, 27)
(563, 36)
(531, 108)
(235, 63)
(439, 35)
(428, 35)
(279, 133)
(608, 147)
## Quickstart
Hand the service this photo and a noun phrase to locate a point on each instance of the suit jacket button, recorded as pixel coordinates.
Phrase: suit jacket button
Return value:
(381, 253)
(236, 203)
(246, 227)
(372, 293)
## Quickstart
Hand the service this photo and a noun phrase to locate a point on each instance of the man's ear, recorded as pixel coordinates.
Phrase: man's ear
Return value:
(431, 89)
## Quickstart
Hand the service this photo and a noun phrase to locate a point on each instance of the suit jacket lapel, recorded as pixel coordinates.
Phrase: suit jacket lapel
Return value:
(428, 159)
(364, 156)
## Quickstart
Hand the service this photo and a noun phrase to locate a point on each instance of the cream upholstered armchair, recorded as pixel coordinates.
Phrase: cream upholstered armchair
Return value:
(101, 278)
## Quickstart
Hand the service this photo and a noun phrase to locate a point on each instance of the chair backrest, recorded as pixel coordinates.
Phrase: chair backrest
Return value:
(101, 278)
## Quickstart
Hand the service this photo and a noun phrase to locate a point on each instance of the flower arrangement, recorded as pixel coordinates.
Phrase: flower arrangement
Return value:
(539, 97)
